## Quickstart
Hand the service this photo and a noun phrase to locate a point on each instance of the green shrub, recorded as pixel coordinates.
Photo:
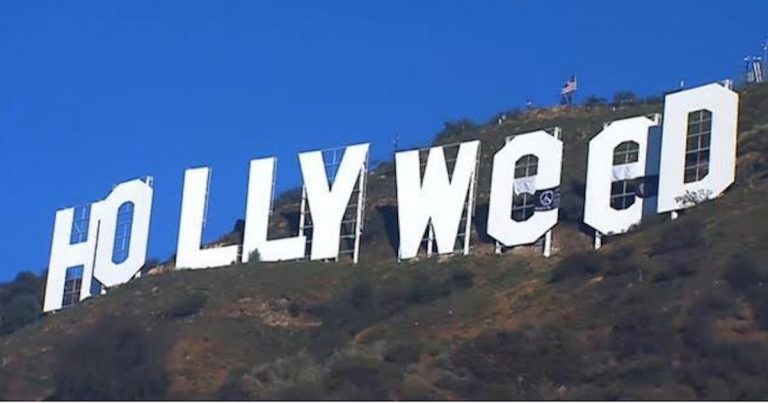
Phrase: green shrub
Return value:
(186, 305)
(434, 348)
(454, 130)
(640, 328)
(20, 302)
(577, 265)
(714, 303)
(113, 359)
(25, 283)
(20, 311)
(462, 278)
(362, 305)
(254, 256)
(624, 98)
(622, 261)
(676, 270)
(728, 371)
(423, 288)
(518, 358)
(403, 354)
(685, 233)
(356, 378)
(697, 334)
(361, 296)
(743, 273)
(294, 309)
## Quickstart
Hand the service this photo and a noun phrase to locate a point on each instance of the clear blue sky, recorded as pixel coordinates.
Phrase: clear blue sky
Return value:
(97, 92)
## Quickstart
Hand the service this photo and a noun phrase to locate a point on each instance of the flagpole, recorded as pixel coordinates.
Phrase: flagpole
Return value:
(575, 87)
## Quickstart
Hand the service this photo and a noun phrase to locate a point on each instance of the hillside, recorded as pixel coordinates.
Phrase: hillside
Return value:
(678, 310)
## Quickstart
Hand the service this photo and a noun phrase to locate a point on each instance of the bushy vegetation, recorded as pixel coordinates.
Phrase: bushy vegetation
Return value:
(514, 365)
(744, 274)
(358, 378)
(404, 354)
(454, 129)
(186, 305)
(587, 263)
(20, 302)
(685, 234)
(365, 303)
(463, 278)
(115, 358)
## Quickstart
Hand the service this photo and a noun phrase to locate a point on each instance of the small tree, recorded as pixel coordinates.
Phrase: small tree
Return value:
(25, 282)
(254, 256)
(690, 198)
(624, 98)
(21, 310)
(593, 101)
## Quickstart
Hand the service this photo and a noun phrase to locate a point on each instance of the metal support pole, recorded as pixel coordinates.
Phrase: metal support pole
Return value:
(88, 283)
(360, 209)
(430, 240)
(302, 215)
(598, 240)
(548, 244)
(471, 203)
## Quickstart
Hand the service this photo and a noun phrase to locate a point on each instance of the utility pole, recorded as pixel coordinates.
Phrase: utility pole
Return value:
(765, 55)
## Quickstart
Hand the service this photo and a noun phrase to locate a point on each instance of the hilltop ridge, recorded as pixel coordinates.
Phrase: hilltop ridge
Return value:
(677, 310)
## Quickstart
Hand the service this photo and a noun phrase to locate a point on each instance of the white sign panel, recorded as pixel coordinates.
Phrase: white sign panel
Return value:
(194, 207)
(124, 217)
(694, 157)
(698, 146)
(121, 238)
(258, 210)
(328, 202)
(547, 151)
(435, 201)
(617, 156)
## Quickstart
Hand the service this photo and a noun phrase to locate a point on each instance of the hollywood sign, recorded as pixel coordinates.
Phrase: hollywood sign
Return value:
(636, 167)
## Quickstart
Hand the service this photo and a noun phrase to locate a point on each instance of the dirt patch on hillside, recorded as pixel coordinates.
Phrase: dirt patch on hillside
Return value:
(272, 312)
(190, 371)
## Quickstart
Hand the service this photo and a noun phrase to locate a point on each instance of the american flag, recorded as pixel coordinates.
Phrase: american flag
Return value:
(570, 85)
